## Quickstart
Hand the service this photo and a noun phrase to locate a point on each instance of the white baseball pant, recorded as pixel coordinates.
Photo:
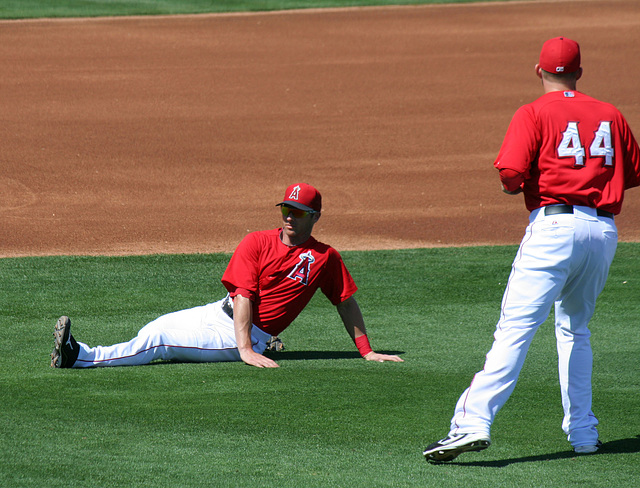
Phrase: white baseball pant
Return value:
(564, 260)
(200, 334)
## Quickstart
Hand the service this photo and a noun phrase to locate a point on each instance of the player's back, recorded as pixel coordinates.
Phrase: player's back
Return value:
(580, 139)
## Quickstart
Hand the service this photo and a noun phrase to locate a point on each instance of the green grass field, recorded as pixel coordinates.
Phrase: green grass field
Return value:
(14, 9)
(326, 418)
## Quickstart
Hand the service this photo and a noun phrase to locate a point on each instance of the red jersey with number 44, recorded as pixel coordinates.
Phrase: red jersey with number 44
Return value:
(570, 149)
(280, 280)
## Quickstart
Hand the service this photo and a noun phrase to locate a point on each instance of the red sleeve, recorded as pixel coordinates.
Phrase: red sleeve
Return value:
(632, 158)
(511, 179)
(241, 275)
(339, 284)
(519, 148)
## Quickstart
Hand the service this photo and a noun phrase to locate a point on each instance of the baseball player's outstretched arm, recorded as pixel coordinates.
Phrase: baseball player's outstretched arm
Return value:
(353, 321)
(242, 323)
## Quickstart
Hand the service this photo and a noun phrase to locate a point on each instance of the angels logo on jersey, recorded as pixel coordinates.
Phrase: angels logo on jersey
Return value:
(303, 268)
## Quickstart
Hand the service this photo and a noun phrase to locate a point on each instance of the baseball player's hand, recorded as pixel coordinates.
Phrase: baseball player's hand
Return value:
(252, 358)
(374, 356)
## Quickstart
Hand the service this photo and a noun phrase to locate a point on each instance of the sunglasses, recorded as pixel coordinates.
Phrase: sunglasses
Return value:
(296, 212)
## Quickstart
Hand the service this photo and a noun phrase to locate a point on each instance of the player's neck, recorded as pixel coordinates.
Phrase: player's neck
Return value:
(293, 240)
(555, 87)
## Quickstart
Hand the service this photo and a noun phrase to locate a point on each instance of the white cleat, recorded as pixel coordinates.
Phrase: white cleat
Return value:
(451, 447)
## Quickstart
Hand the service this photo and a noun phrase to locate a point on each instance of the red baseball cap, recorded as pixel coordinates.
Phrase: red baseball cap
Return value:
(302, 196)
(560, 55)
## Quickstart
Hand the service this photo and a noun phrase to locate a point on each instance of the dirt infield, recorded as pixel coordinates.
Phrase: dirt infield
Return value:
(178, 134)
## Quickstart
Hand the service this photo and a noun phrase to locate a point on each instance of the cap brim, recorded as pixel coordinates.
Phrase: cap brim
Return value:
(294, 204)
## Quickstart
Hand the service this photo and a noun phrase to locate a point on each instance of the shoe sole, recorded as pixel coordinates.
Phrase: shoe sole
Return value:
(61, 329)
(444, 455)
(592, 449)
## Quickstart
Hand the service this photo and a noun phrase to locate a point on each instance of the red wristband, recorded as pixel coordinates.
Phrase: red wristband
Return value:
(362, 343)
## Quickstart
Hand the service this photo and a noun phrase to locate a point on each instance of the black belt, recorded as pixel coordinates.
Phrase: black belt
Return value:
(568, 209)
(227, 306)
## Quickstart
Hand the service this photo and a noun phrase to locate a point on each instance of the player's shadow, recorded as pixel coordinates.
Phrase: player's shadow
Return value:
(307, 355)
(620, 446)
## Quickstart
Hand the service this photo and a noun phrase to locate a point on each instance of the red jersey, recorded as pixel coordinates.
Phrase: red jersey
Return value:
(280, 280)
(570, 149)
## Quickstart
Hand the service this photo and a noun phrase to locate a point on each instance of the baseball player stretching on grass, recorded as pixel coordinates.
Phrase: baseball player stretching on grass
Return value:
(270, 278)
(573, 157)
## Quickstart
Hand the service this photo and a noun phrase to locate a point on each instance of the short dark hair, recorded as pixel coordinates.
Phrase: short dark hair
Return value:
(561, 77)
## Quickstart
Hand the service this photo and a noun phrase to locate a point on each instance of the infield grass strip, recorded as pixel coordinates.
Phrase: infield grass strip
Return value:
(325, 418)
(16, 9)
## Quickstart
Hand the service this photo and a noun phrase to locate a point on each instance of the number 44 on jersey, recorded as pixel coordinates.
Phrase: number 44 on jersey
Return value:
(601, 147)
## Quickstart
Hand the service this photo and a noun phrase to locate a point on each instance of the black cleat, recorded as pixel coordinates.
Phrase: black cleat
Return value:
(65, 348)
(275, 344)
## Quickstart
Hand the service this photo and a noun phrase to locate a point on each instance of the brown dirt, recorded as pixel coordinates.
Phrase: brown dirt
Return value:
(178, 134)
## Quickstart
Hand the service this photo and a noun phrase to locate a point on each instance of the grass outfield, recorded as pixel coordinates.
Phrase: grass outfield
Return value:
(326, 418)
(15, 9)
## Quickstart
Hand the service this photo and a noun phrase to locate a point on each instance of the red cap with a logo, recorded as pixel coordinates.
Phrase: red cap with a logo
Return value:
(302, 196)
(560, 55)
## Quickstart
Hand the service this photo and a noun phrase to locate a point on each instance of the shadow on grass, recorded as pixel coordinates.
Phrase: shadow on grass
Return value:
(307, 355)
(620, 446)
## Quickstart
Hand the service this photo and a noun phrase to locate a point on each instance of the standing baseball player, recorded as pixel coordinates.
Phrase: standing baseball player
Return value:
(270, 278)
(573, 157)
